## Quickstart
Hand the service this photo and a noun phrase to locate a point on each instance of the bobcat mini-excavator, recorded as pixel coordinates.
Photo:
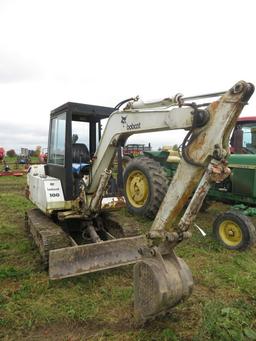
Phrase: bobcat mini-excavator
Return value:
(71, 226)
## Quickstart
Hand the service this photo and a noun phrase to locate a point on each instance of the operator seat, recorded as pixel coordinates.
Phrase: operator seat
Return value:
(80, 158)
(80, 153)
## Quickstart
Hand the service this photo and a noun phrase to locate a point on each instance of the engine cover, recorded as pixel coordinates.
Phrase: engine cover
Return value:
(45, 191)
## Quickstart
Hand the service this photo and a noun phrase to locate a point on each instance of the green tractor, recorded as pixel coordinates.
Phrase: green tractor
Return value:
(146, 181)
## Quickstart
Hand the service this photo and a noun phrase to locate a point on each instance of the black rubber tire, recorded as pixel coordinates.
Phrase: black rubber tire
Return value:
(157, 183)
(246, 227)
(125, 160)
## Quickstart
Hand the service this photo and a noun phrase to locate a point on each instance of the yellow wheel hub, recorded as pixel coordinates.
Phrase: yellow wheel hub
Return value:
(137, 188)
(230, 233)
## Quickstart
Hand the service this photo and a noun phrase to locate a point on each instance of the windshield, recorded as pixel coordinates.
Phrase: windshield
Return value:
(244, 138)
(249, 137)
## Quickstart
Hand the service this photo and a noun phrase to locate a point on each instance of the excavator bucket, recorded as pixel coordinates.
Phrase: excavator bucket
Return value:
(160, 283)
(83, 259)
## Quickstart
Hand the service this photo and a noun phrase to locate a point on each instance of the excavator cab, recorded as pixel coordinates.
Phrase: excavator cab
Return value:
(75, 130)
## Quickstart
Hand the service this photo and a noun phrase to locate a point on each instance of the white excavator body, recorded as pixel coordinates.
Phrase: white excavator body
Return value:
(161, 279)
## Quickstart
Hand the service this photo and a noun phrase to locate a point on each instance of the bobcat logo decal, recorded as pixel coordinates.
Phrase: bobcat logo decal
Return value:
(123, 120)
(131, 126)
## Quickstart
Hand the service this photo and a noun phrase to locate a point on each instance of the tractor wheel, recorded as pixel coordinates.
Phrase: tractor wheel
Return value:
(234, 230)
(145, 186)
(125, 160)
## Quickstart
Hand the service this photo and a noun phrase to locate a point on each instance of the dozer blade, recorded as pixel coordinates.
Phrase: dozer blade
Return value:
(83, 259)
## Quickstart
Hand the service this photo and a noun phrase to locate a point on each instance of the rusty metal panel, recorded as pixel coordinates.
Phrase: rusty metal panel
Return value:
(83, 259)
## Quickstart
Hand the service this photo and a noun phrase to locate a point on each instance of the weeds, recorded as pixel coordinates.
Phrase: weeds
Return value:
(227, 323)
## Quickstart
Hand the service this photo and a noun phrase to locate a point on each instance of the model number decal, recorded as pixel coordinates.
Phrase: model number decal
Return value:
(54, 195)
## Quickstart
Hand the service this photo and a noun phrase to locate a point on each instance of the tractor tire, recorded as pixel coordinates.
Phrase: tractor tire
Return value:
(234, 231)
(145, 186)
(125, 160)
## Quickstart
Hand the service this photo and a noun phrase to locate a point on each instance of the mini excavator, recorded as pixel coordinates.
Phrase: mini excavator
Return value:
(72, 224)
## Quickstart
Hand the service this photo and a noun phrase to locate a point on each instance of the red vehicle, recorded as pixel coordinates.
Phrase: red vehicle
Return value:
(243, 140)
(133, 150)
(2, 153)
(43, 156)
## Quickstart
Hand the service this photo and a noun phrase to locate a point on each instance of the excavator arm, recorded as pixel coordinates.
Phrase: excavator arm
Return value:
(161, 279)
(209, 128)
(204, 152)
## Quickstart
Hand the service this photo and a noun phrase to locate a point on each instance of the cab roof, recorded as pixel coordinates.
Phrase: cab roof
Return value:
(83, 112)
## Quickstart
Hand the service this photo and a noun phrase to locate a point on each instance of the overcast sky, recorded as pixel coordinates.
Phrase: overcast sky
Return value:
(100, 52)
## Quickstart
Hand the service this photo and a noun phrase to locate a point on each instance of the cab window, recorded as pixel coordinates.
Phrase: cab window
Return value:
(57, 140)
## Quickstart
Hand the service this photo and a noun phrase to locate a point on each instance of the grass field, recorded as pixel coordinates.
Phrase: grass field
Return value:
(100, 306)
(11, 161)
